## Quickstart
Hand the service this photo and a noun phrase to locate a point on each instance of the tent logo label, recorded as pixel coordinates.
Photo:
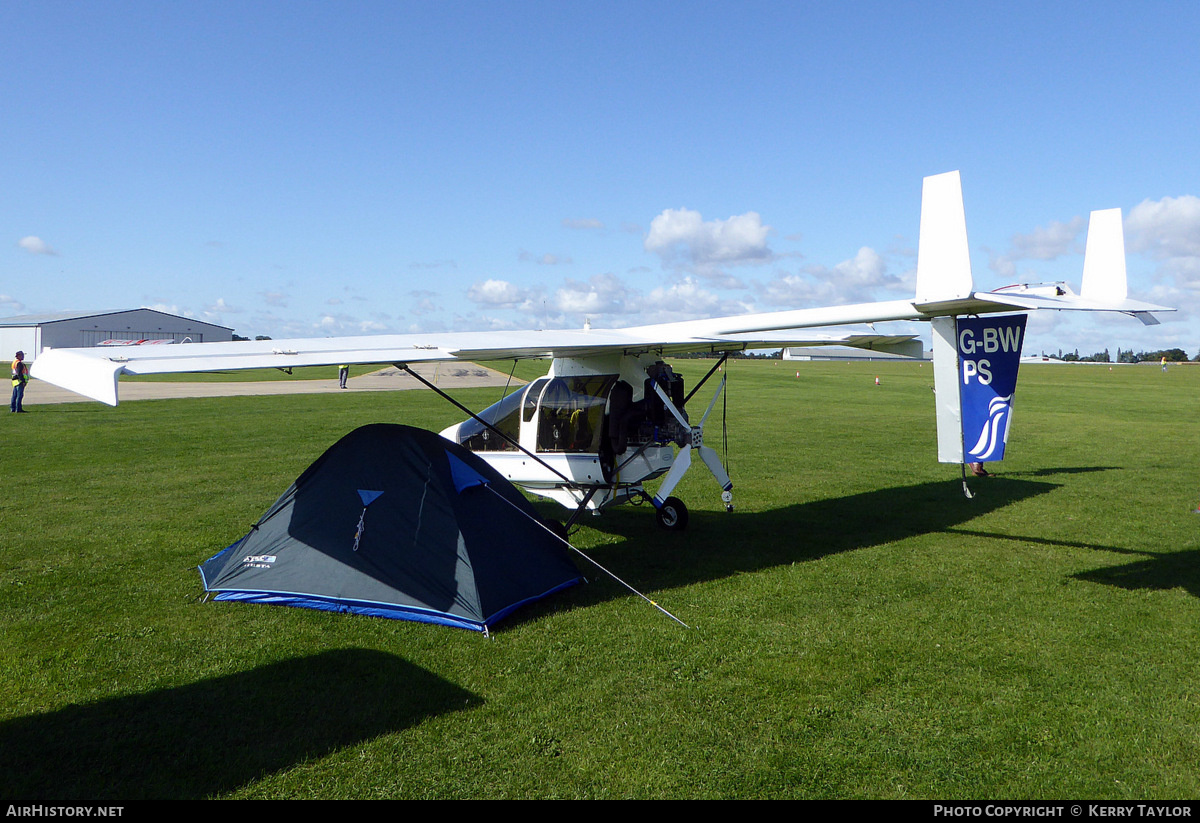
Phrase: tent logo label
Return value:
(259, 561)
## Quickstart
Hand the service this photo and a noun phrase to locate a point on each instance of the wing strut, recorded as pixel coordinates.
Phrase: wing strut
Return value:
(711, 372)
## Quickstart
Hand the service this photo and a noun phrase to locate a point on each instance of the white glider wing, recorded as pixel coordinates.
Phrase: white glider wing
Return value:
(944, 288)
(95, 372)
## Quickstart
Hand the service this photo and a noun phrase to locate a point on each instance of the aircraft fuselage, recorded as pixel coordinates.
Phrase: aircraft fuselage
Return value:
(591, 425)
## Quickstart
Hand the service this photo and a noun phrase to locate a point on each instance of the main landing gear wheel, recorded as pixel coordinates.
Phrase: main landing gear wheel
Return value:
(672, 515)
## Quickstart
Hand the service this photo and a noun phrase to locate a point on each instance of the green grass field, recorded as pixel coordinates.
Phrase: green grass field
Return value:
(858, 627)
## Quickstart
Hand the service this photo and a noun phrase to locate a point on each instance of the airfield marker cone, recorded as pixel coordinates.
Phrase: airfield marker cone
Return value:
(876, 381)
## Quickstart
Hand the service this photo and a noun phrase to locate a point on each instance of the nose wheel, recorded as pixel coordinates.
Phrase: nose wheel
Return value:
(672, 515)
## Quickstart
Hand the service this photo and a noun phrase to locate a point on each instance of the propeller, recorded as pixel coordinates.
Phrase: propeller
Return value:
(683, 460)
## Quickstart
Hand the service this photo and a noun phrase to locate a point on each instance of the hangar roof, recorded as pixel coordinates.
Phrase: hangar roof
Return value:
(58, 317)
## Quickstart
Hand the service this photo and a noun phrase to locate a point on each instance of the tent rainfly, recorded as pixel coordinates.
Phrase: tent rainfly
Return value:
(394, 521)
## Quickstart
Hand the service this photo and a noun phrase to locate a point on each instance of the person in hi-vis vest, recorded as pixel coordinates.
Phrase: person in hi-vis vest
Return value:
(20, 376)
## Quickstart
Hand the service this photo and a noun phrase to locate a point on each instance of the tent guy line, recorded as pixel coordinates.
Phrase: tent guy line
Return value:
(602, 568)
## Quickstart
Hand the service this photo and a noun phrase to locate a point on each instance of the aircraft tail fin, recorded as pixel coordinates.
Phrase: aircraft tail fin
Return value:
(1105, 279)
(943, 256)
(1104, 258)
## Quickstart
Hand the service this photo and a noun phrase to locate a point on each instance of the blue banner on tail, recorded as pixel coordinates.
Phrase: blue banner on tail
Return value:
(989, 354)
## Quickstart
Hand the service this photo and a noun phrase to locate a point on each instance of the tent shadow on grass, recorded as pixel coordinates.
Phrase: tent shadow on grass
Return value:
(213, 736)
(718, 545)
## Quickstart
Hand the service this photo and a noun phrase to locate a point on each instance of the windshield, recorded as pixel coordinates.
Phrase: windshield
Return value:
(571, 413)
(504, 416)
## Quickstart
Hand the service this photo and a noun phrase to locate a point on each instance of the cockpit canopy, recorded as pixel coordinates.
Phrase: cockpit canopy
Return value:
(566, 412)
(579, 414)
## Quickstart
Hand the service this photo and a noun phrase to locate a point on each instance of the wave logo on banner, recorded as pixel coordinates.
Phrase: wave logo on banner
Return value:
(999, 413)
(989, 354)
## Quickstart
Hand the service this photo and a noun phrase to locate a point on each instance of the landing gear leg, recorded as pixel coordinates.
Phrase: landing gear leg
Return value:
(559, 528)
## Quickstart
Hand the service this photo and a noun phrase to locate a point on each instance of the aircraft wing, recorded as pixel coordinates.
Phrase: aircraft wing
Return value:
(95, 372)
(944, 288)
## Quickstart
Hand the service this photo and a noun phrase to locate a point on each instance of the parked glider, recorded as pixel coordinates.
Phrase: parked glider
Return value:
(611, 415)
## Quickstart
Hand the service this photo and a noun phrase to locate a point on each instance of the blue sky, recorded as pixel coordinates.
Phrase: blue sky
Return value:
(330, 168)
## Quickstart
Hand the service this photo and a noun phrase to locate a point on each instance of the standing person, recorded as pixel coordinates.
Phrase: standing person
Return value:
(343, 373)
(20, 376)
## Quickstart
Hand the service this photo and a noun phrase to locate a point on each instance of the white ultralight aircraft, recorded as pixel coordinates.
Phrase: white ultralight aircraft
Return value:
(610, 415)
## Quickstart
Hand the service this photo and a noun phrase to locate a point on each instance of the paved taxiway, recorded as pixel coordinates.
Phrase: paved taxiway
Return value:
(445, 376)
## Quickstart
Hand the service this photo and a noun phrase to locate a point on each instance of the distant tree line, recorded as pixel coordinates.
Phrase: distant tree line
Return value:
(749, 354)
(1172, 355)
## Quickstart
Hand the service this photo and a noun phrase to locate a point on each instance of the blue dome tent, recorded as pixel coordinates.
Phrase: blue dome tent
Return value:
(394, 521)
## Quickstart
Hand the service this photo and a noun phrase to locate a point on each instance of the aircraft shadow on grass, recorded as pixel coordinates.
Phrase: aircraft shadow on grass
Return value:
(1177, 570)
(718, 545)
(1174, 570)
(1159, 572)
(213, 736)
(1063, 470)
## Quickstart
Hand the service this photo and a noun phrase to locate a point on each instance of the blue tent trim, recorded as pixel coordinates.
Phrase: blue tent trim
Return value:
(387, 610)
(343, 606)
(463, 475)
(368, 497)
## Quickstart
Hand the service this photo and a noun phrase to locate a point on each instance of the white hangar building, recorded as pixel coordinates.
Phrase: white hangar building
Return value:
(847, 353)
(31, 333)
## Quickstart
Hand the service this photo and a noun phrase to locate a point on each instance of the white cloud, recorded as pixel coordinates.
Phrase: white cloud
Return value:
(1167, 228)
(221, 307)
(36, 245)
(423, 302)
(688, 299)
(170, 309)
(683, 239)
(865, 270)
(683, 231)
(1168, 231)
(328, 324)
(602, 294)
(470, 321)
(1049, 242)
(10, 302)
(1043, 243)
(857, 280)
(498, 294)
(275, 298)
